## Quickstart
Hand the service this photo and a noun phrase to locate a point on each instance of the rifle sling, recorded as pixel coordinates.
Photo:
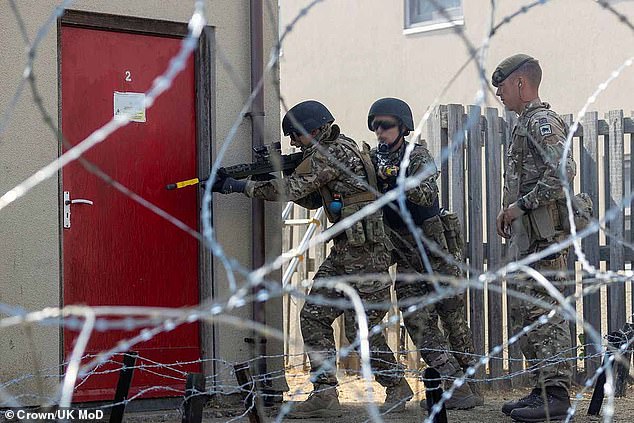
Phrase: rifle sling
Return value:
(361, 197)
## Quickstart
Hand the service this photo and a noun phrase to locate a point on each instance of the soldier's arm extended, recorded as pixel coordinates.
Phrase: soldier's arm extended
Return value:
(549, 136)
(312, 201)
(426, 193)
(313, 173)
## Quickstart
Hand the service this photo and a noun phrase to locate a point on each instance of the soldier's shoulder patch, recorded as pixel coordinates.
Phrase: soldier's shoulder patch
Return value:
(545, 129)
(543, 120)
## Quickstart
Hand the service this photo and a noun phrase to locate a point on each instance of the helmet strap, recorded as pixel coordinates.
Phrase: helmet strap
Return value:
(399, 140)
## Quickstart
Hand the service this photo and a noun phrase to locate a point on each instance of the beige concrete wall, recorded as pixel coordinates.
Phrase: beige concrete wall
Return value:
(29, 231)
(348, 53)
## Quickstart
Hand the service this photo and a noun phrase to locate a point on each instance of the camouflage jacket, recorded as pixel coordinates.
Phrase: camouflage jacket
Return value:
(534, 156)
(334, 165)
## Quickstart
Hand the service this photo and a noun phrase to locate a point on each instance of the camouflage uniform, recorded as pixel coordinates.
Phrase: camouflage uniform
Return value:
(443, 229)
(532, 175)
(362, 249)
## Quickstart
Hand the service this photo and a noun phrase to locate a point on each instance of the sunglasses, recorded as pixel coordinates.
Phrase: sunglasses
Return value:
(383, 124)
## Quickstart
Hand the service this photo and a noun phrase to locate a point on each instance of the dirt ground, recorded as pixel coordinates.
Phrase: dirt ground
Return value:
(353, 389)
(352, 398)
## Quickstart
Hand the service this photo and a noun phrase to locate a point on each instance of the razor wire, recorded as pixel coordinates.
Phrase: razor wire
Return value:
(257, 277)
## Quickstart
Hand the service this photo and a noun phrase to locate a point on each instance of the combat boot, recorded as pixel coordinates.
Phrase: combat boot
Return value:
(553, 408)
(526, 401)
(396, 397)
(462, 398)
(323, 402)
(475, 388)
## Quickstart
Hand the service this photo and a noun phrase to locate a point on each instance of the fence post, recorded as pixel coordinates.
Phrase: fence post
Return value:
(248, 391)
(570, 289)
(123, 386)
(475, 224)
(621, 367)
(516, 361)
(194, 400)
(436, 142)
(433, 392)
(590, 244)
(616, 292)
(628, 128)
(493, 162)
(456, 186)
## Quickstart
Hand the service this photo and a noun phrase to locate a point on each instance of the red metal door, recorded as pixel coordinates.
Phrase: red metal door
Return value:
(115, 251)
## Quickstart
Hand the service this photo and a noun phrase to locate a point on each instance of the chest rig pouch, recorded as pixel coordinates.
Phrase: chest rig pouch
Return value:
(547, 228)
(582, 206)
(453, 232)
(369, 229)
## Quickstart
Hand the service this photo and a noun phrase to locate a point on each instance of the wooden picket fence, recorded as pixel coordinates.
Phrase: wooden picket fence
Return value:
(471, 186)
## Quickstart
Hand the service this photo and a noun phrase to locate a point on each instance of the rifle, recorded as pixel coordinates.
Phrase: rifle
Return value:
(267, 159)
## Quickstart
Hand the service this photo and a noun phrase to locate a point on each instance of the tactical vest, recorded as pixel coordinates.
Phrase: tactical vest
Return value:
(392, 214)
(547, 222)
(361, 197)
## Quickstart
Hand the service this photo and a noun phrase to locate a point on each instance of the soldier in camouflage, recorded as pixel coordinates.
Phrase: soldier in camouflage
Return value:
(391, 120)
(337, 176)
(530, 219)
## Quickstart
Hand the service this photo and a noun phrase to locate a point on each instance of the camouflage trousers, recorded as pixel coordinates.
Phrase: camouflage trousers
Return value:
(317, 317)
(548, 347)
(447, 352)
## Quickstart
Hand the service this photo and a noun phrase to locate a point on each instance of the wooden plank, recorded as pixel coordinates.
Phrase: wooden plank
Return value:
(569, 290)
(616, 292)
(628, 125)
(514, 352)
(604, 128)
(456, 136)
(590, 244)
(434, 141)
(475, 253)
(604, 254)
(629, 122)
(205, 75)
(493, 162)
(444, 163)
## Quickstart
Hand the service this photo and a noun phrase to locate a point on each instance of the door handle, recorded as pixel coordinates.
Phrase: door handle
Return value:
(68, 202)
(79, 201)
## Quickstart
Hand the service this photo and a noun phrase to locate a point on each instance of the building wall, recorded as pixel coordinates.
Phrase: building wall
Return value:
(29, 230)
(349, 53)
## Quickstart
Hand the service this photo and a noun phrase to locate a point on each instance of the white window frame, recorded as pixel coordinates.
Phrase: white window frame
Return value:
(417, 27)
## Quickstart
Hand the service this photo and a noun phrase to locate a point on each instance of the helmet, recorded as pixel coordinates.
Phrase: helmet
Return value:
(392, 107)
(307, 115)
(508, 66)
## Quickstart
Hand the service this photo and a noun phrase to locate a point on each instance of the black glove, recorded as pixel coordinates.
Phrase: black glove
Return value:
(226, 185)
(263, 177)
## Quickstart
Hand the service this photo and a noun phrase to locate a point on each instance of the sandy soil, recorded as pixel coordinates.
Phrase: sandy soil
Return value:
(354, 401)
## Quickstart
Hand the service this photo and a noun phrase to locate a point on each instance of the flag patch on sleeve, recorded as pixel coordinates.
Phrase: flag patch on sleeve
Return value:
(545, 129)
